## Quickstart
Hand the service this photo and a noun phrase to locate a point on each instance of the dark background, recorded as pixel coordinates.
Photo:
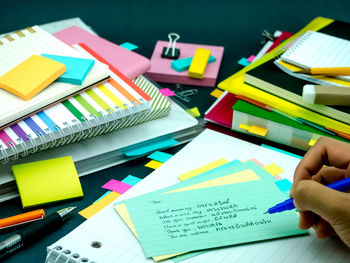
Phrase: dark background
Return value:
(236, 25)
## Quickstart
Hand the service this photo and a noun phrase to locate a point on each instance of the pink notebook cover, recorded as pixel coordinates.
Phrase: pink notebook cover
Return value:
(129, 63)
(161, 70)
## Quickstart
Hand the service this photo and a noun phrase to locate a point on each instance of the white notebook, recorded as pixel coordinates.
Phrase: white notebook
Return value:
(318, 50)
(17, 47)
(118, 244)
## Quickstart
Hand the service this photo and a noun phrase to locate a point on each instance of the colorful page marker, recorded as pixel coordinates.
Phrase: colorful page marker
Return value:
(184, 63)
(284, 185)
(117, 186)
(160, 156)
(31, 76)
(199, 63)
(150, 146)
(47, 181)
(153, 164)
(273, 169)
(194, 112)
(216, 93)
(246, 202)
(128, 46)
(257, 130)
(131, 180)
(99, 205)
(257, 162)
(167, 92)
(251, 58)
(76, 68)
(243, 62)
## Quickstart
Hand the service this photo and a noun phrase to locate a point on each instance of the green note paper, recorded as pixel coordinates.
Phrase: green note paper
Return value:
(210, 217)
(47, 181)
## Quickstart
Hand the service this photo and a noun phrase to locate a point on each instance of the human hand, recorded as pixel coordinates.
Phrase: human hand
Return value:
(327, 210)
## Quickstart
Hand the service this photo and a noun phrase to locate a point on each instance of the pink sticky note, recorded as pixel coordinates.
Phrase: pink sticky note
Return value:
(257, 162)
(278, 177)
(167, 92)
(251, 58)
(117, 186)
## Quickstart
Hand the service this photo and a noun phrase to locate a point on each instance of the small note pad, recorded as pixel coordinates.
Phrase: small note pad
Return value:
(47, 181)
(31, 76)
(76, 68)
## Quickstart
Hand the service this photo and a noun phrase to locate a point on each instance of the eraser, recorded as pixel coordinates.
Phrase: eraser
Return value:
(309, 93)
(199, 63)
(184, 63)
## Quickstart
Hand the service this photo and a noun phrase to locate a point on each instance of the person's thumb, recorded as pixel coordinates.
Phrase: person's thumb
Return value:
(333, 206)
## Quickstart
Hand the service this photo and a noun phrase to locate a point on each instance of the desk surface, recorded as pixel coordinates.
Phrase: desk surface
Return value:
(236, 25)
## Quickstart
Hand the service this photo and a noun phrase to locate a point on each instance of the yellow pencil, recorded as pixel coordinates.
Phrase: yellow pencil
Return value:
(336, 71)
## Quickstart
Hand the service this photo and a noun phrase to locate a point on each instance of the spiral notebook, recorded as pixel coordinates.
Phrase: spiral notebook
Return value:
(17, 47)
(116, 243)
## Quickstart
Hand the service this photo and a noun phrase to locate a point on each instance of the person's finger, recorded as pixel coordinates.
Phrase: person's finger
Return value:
(306, 219)
(328, 175)
(331, 205)
(322, 228)
(325, 151)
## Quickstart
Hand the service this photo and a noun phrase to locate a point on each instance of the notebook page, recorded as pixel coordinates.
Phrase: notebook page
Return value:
(107, 227)
(318, 50)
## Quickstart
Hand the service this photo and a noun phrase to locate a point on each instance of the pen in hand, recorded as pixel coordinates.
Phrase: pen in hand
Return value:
(35, 231)
(342, 186)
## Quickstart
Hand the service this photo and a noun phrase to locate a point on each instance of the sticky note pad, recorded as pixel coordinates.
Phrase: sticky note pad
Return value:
(199, 63)
(31, 76)
(47, 181)
(184, 63)
(76, 68)
(117, 186)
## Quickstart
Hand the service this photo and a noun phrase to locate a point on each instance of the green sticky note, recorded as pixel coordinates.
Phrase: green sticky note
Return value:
(210, 217)
(47, 181)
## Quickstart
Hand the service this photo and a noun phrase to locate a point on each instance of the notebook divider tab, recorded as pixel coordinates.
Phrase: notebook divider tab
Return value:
(88, 114)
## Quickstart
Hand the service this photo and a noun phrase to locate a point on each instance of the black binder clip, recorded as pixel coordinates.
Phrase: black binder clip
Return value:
(267, 37)
(184, 94)
(170, 51)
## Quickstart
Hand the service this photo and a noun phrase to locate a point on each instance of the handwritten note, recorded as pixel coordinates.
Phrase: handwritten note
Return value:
(209, 217)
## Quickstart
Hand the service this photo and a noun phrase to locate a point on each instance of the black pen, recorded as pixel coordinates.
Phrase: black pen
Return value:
(35, 231)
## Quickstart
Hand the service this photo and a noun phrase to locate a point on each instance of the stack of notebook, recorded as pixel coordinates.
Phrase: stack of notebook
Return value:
(269, 102)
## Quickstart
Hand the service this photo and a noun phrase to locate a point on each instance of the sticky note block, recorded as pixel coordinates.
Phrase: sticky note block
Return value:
(251, 58)
(128, 46)
(194, 112)
(184, 63)
(76, 68)
(257, 130)
(216, 93)
(199, 63)
(117, 186)
(244, 62)
(131, 180)
(99, 205)
(273, 169)
(153, 164)
(284, 185)
(160, 156)
(47, 181)
(31, 76)
(167, 92)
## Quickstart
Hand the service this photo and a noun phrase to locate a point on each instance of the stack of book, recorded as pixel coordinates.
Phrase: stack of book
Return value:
(266, 96)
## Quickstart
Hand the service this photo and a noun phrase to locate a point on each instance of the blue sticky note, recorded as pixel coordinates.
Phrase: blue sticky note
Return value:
(184, 63)
(282, 151)
(147, 147)
(76, 68)
(128, 46)
(244, 62)
(284, 185)
(160, 156)
(131, 180)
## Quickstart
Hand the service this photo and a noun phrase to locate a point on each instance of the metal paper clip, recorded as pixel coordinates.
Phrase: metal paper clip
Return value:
(184, 94)
(175, 52)
(267, 36)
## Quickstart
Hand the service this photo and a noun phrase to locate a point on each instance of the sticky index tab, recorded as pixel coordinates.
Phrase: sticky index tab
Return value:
(171, 51)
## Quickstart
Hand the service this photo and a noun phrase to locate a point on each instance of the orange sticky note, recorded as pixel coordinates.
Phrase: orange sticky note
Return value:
(257, 130)
(31, 76)
(99, 205)
(216, 93)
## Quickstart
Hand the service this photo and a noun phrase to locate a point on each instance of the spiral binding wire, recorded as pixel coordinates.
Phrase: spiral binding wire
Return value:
(66, 255)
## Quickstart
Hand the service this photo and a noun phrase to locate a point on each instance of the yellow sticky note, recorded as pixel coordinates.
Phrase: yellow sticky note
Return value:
(47, 181)
(194, 112)
(314, 139)
(153, 164)
(202, 169)
(273, 169)
(99, 205)
(199, 63)
(216, 93)
(257, 130)
(31, 76)
(312, 142)
(244, 126)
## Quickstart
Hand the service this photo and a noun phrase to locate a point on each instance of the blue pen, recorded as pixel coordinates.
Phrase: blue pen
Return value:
(342, 186)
